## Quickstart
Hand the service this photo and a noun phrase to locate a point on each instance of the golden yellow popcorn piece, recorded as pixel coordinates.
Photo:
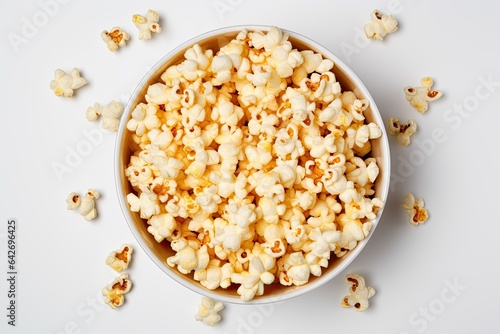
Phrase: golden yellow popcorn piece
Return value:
(415, 210)
(114, 292)
(114, 38)
(119, 260)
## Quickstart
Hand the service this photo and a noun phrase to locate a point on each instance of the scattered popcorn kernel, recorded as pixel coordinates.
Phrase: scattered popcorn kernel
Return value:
(147, 24)
(114, 292)
(359, 293)
(403, 130)
(119, 260)
(419, 97)
(252, 164)
(208, 311)
(65, 84)
(85, 205)
(380, 25)
(110, 114)
(114, 38)
(415, 210)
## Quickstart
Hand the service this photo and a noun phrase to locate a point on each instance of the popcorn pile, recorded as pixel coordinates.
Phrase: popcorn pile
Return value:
(253, 164)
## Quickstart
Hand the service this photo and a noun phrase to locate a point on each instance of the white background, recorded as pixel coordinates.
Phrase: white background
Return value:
(61, 256)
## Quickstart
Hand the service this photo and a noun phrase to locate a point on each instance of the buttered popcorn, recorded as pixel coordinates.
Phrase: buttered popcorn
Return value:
(110, 114)
(253, 164)
(86, 205)
(66, 83)
(359, 293)
(417, 214)
(120, 259)
(208, 311)
(147, 24)
(402, 130)
(419, 97)
(380, 25)
(114, 292)
(114, 38)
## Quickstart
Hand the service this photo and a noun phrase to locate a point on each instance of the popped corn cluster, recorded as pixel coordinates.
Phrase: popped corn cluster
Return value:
(146, 25)
(114, 292)
(253, 164)
(419, 98)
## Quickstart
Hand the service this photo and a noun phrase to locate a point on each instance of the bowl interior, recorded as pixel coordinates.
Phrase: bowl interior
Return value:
(159, 252)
